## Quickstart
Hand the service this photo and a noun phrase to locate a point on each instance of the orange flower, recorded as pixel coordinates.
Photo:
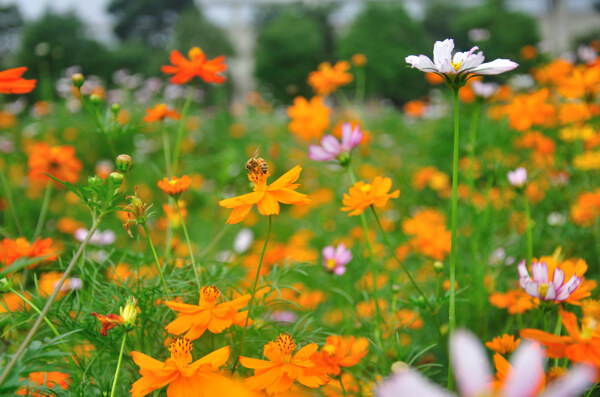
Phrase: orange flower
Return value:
(12, 83)
(516, 301)
(58, 161)
(47, 379)
(359, 60)
(504, 344)
(11, 302)
(184, 377)
(327, 79)
(362, 195)
(340, 352)
(108, 322)
(196, 319)
(527, 110)
(197, 66)
(160, 112)
(278, 373)
(309, 119)
(586, 209)
(266, 197)
(175, 186)
(582, 345)
(429, 234)
(12, 250)
(415, 108)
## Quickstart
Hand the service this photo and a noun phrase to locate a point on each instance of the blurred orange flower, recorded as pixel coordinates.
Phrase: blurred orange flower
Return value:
(309, 118)
(175, 186)
(415, 108)
(429, 234)
(586, 208)
(12, 250)
(47, 379)
(11, 82)
(340, 352)
(160, 112)
(362, 195)
(197, 66)
(359, 59)
(504, 344)
(527, 110)
(58, 161)
(327, 79)
(208, 314)
(516, 301)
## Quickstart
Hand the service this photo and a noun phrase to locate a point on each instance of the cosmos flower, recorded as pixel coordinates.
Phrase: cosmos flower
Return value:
(335, 259)
(329, 78)
(456, 69)
(473, 375)
(160, 112)
(183, 70)
(308, 118)
(518, 177)
(58, 161)
(331, 148)
(11, 82)
(361, 195)
(340, 352)
(175, 186)
(544, 286)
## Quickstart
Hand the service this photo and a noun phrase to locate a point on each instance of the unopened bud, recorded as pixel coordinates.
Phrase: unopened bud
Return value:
(115, 108)
(6, 285)
(124, 163)
(129, 313)
(77, 80)
(116, 178)
(399, 366)
(344, 159)
(95, 99)
(94, 181)
(438, 266)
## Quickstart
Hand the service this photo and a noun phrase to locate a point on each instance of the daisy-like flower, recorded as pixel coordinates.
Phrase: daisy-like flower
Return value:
(518, 177)
(266, 197)
(11, 82)
(544, 286)
(308, 118)
(175, 186)
(456, 69)
(327, 79)
(504, 344)
(473, 375)
(340, 352)
(335, 259)
(58, 161)
(362, 195)
(283, 367)
(184, 377)
(183, 70)
(12, 250)
(194, 320)
(160, 112)
(332, 149)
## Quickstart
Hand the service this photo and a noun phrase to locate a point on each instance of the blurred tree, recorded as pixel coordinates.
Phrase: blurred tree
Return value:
(55, 42)
(386, 35)
(10, 26)
(150, 21)
(194, 30)
(289, 46)
(438, 17)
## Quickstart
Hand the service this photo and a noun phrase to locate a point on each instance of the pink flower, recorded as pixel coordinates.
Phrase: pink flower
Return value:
(474, 378)
(332, 149)
(484, 90)
(540, 285)
(518, 177)
(336, 259)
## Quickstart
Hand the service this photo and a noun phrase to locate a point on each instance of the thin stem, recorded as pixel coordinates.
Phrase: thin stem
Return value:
(214, 241)
(114, 385)
(189, 244)
(43, 211)
(49, 302)
(452, 303)
(160, 272)
(11, 203)
(251, 303)
(472, 136)
(181, 129)
(342, 385)
(528, 232)
(166, 149)
(36, 309)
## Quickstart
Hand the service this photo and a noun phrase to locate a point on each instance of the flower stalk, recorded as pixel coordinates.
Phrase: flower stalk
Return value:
(114, 385)
(43, 211)
(158, 266)
(189, 244)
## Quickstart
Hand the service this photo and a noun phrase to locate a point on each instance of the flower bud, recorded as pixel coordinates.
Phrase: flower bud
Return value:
(344, 159)
(115, 108)
(94, 181)
(95, 99)
(399, 366)
(438, 266)
(77, 80)
(6, 285)
(124, 163)
(129, 313)
(116, 178)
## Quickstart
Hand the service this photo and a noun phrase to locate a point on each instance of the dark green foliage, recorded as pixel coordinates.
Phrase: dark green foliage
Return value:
(288, 48)
(194, 30)
(386, 35)
(10, 25)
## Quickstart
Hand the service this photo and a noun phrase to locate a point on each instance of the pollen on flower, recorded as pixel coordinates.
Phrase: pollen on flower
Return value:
(286, 344)
(330, 263)
(366, 188)
(330, 349)
(180, 347)
(258, 177)
(456, 66)
(210, 294)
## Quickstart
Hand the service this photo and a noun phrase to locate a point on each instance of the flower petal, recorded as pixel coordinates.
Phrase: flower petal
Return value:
(409, 383)
(528, 372)
(497, 66)
(471, 366)
(573, 383)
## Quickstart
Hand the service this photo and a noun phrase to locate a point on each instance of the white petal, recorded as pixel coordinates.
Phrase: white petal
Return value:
(472, 61)
(539, 272)
(558, 278)
(528, 371)
(532, 289)
(550, 294)
(565, 291)
(470, 364)
(422, 63)
(522, 269)
(442, 51)
(497, 66)
(409, 383)
(573, 383)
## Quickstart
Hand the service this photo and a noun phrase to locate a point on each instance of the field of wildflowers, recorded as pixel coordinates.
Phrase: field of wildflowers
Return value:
(333, 247)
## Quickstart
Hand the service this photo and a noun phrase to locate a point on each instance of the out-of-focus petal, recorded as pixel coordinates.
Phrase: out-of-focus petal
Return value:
(573, 383)
(470, 363)
(409, 384)
(528, 372)
(497, 66)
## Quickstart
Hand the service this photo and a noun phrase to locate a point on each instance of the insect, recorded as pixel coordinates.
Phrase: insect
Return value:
(255, 164)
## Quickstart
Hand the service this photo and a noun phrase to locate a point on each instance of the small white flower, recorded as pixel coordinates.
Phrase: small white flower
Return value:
(518, 177)
(556, 219)
(243, 240)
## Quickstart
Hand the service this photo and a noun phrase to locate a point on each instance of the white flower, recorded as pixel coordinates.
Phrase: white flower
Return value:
(484, 90)
(518, 177)
(456, 69)
(243, 240)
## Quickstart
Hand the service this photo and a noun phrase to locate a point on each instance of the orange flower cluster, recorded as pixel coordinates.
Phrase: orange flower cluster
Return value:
(362, 195)
(586, 209)
(429, 235)
(516, 301)
(328, 79)
(504, 344)
(340, 352)
(183, 70)
(175, 186)
(58, 161)
(160, 112)
(527, 110)
(12, 250)
(433, 178)
(309, 119)
(11, 82)
(47, 379)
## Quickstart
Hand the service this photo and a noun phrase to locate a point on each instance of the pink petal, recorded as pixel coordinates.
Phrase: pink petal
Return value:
(527, 362)
(331, 144)
(328, 252)
(539, 272)
(317, 153)
(470, 363)
(409, 383)
(573, 383)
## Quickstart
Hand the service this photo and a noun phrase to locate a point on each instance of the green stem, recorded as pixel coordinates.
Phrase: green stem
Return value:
(166, 149)
(251, 302)
(160, 272)
(181, 129)
(472, 136)
(342, 385)
(49, 302)
(528, 231)
(37, 310)
(189, 244)
(114, 385)
(452, 303)
(11, 203)
(43, 211)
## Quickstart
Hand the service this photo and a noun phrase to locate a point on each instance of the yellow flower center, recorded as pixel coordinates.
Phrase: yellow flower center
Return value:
(195, 52)
(330, 263)
(210, 294)
(180, 350)
(589, 326)
(456, 66)
(286, 345)
(259, 179)
(366, 188)
(173, 182)
(330, 349)
(543, 290)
